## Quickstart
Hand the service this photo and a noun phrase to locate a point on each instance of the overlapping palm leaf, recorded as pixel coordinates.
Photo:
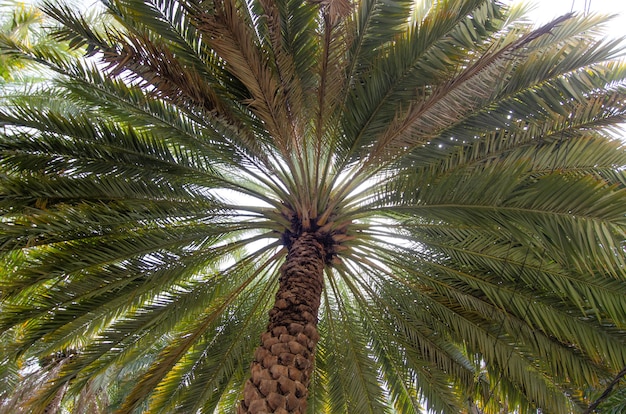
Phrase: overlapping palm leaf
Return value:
(463, 164)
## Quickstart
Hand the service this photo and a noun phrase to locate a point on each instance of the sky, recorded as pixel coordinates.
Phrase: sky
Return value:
(545, 10)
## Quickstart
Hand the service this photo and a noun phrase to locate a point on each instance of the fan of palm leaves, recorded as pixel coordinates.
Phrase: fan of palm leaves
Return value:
(444, 178)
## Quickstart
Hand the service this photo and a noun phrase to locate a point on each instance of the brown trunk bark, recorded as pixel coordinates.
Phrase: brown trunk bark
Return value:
(283, 363)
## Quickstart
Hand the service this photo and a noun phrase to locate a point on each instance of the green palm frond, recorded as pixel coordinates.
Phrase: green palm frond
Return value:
(352, 376)
(456, 174)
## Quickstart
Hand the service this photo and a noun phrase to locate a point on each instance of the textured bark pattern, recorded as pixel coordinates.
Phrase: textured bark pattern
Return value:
(282, 366)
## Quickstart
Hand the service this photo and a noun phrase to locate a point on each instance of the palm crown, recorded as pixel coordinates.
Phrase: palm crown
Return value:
(424, 196)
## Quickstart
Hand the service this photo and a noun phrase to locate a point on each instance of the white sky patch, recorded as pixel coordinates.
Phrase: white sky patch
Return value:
(546, 10)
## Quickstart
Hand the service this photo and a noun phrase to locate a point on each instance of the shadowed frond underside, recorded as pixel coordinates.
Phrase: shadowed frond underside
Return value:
(426, 198)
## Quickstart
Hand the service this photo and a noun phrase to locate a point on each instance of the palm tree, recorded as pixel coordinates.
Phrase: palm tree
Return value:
(23, 24)
(427, 198)
(611, 399)
(614, 404)
(19, 27)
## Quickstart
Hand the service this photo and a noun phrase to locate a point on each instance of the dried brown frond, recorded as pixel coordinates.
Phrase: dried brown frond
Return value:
(237, 45)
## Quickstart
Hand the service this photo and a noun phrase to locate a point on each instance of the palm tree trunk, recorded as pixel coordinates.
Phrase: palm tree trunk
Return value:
(283, 363)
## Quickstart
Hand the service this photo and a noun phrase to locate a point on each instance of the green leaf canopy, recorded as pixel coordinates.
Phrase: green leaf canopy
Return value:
(459, 165)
